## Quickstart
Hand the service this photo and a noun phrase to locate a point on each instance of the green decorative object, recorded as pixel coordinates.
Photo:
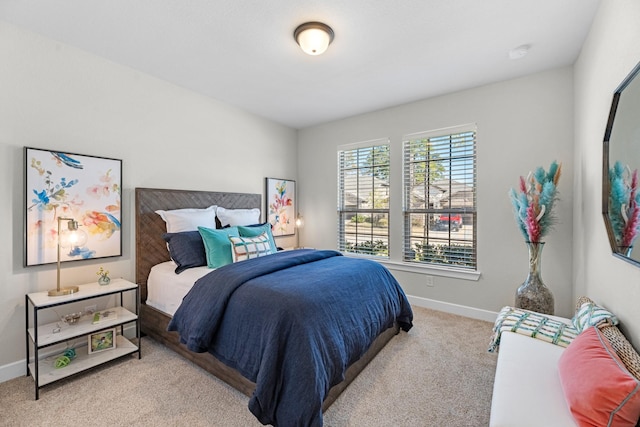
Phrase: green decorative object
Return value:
(64, 359)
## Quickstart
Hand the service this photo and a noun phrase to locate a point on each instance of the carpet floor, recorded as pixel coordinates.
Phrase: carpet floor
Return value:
(438, 374)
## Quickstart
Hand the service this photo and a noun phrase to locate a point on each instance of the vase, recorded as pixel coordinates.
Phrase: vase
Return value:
(533, 294)
(104, 280)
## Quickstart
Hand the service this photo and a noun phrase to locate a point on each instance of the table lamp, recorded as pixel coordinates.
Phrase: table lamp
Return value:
(72, 237)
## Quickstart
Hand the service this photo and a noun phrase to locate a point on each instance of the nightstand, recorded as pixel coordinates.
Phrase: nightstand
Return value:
(42, 336)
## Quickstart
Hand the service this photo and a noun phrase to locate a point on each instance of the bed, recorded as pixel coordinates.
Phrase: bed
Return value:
(151, 252)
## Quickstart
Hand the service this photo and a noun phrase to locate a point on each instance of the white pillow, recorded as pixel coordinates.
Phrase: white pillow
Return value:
(179, 220)
(234, 217)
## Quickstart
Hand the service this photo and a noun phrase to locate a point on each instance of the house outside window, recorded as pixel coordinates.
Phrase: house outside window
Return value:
(363, 198)
(439, 206)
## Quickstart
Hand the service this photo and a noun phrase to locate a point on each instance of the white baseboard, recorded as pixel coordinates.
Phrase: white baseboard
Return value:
(447, 307)
(13, 370)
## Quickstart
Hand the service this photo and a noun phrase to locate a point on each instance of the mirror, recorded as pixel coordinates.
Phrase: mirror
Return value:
(621, 161)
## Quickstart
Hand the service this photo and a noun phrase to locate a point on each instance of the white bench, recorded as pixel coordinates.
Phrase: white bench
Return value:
(527, 389)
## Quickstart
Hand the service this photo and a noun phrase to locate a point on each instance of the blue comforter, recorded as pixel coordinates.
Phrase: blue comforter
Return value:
(292, 323)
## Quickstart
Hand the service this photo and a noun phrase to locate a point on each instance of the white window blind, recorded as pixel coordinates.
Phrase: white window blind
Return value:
(440, 197)
(363, 198)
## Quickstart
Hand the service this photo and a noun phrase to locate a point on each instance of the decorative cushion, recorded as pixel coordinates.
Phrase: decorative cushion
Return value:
(189, 219)
(590, 314)
(250, 247)
(186, 249)
(598, 388)
(618, 341)
(238, 216)
(531, 324)
(217, 245)
(256, 230)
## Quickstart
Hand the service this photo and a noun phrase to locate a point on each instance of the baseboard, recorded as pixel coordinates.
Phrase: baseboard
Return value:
(13, 370)
(447, 307)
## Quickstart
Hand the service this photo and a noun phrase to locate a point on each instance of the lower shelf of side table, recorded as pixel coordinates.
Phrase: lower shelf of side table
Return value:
(83, 361)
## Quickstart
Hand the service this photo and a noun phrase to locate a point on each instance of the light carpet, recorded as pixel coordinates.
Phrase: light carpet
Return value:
(438, 374)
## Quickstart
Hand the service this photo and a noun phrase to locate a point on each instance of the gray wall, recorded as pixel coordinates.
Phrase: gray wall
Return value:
(522, 124)
(57, 97)
(609, 54)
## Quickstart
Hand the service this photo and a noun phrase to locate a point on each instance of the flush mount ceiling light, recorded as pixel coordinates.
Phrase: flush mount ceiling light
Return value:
(519, 52)
(313, 37)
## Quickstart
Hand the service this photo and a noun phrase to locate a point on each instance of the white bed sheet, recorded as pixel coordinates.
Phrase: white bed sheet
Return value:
(166, 289)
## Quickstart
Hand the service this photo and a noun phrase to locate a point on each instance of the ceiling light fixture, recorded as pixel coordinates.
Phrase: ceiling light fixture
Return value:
(313, 37)
(519, 52)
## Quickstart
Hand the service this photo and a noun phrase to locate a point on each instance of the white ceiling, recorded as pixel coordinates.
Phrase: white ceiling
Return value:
(385, 52)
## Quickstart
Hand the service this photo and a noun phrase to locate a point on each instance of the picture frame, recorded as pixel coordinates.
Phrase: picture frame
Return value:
(87, 189)
(101, 341)
(280, 207)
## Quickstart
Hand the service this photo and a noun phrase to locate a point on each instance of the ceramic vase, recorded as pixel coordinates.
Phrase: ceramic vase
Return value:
(104, 280)
(533, 294)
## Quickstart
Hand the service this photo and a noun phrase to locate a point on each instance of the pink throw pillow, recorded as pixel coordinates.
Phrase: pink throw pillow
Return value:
(598, 388)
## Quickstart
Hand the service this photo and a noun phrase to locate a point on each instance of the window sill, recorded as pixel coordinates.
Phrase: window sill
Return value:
(433, 270)
(455, 273)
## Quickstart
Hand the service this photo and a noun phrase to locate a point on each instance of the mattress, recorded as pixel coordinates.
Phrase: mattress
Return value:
(166, 289)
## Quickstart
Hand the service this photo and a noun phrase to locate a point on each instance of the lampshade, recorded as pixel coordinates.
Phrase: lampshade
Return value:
(299, 221)
(71, 237)
(313, 37)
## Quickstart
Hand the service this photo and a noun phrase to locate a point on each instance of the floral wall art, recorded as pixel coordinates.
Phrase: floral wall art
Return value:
(68, 185)
(281, 206)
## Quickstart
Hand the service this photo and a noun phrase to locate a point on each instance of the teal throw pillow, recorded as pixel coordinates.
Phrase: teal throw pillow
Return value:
(217, 245)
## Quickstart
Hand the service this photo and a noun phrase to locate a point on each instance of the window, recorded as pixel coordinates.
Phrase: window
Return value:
(363, 198)
(440, 197)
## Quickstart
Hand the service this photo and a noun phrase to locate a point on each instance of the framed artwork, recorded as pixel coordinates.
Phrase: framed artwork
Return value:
(281, 206)
(71, 186)
(101, 341)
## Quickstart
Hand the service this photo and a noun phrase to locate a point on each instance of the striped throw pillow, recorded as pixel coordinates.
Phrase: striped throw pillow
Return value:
(244, 248)
(590, 314)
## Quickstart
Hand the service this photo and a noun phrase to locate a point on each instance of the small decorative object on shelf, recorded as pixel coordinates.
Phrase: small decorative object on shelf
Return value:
(103, 276)
(624, 206)
(71, 318)
(103, 316)
(65, 358)
(101, 341)
(533, 208)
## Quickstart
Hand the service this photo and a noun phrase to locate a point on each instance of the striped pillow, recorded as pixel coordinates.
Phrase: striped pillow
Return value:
(590, 314)
(244, 248)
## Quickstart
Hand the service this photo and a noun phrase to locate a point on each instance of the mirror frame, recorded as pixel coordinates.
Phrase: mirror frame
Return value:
(606, 167)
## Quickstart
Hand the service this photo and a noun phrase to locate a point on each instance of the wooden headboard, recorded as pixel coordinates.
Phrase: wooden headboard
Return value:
(151, 249)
